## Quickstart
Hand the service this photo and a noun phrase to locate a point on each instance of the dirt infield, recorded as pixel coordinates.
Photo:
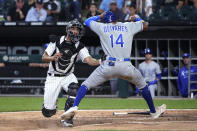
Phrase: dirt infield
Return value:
(100, 119)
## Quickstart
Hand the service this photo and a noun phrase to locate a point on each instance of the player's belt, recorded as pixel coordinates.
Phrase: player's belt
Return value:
(115, 59)
(57, 75)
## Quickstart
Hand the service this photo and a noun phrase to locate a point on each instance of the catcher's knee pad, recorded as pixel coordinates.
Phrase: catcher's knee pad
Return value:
(69, 102)
(47, 112)
(72, 89)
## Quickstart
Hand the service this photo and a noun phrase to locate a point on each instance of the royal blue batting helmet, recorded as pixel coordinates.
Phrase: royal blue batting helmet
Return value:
(147, 51)
(109, 17)
(186, 55)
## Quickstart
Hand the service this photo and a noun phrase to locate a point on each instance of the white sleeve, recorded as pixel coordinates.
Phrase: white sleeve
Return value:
(136, 27)
(148, 3)
(28, 16)
(50, 49)
(96, 27)
(158, 71)
(83, 53)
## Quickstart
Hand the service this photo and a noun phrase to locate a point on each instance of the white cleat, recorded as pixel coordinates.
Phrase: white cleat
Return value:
(67, 123)
(160, 110)
(69, 113)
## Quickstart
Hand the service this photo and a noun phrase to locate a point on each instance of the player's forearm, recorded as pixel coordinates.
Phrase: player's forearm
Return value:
(47, 58)
(89, 20)
(92, 62)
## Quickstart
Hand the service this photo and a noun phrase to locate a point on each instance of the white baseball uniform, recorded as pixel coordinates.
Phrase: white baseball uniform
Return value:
(116, 41)
(149, 72)
(54, 84)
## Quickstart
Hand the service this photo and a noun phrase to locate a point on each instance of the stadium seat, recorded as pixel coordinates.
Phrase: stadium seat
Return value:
(184, 13)
(154, 17)
(165, 12)
(193, 14)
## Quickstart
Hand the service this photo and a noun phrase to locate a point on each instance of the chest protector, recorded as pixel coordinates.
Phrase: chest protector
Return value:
(65, 64)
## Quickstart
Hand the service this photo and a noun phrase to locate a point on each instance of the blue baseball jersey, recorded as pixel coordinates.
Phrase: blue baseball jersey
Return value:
(182, 82)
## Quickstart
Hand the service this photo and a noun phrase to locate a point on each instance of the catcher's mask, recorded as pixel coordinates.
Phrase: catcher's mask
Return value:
(75, 37)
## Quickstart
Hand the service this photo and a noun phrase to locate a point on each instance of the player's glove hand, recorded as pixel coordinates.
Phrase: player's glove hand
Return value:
(152, 82)
(56, 56)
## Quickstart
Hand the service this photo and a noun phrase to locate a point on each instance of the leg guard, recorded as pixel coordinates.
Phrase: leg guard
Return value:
(72, 89)
(47, 112)
(69, 103)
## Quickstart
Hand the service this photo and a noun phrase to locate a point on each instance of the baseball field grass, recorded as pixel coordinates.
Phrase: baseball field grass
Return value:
(12, 104)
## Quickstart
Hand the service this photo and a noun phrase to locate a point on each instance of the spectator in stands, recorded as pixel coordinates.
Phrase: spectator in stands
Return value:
(85, 4)
(182, 81)
(117, 12)
(30, 3)
(93, 10)
(36, 13)
(18, 12)
(180, 4)
(132, 15)
(195, 4)
(105, 5)
(52, 10)
(144, 7)
(168, 3)
(125, 9)
(75, 9)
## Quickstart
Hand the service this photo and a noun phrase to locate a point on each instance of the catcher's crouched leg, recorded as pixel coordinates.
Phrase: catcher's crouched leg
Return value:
(47, 112)
(72, 91)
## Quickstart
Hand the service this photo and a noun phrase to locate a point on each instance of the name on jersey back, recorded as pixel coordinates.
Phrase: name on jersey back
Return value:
(110, 28)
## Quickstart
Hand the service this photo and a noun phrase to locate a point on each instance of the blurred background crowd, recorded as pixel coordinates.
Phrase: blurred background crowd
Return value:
(65, 10)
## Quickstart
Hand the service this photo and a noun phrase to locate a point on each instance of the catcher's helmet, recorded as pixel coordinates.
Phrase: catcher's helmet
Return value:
(186, 55)
(147, 51)
(75, 37)
(109, 17)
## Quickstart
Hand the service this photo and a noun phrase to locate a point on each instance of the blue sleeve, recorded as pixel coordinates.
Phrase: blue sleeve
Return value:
(89, 20)
(138, 19)
(158, 76)
(178, 82)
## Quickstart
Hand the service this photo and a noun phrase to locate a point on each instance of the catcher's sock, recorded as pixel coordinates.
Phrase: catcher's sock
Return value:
(147, 96)
(80, 94)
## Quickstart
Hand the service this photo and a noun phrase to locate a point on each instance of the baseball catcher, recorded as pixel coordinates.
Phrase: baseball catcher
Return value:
(62, 54)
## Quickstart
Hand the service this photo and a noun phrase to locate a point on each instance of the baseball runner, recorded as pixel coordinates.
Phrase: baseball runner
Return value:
(62, 53)
(116, 40)
(151, 72)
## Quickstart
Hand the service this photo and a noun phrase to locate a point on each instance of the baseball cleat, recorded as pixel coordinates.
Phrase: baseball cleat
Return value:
(160, 110)
(68, 123)
(69, 113)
